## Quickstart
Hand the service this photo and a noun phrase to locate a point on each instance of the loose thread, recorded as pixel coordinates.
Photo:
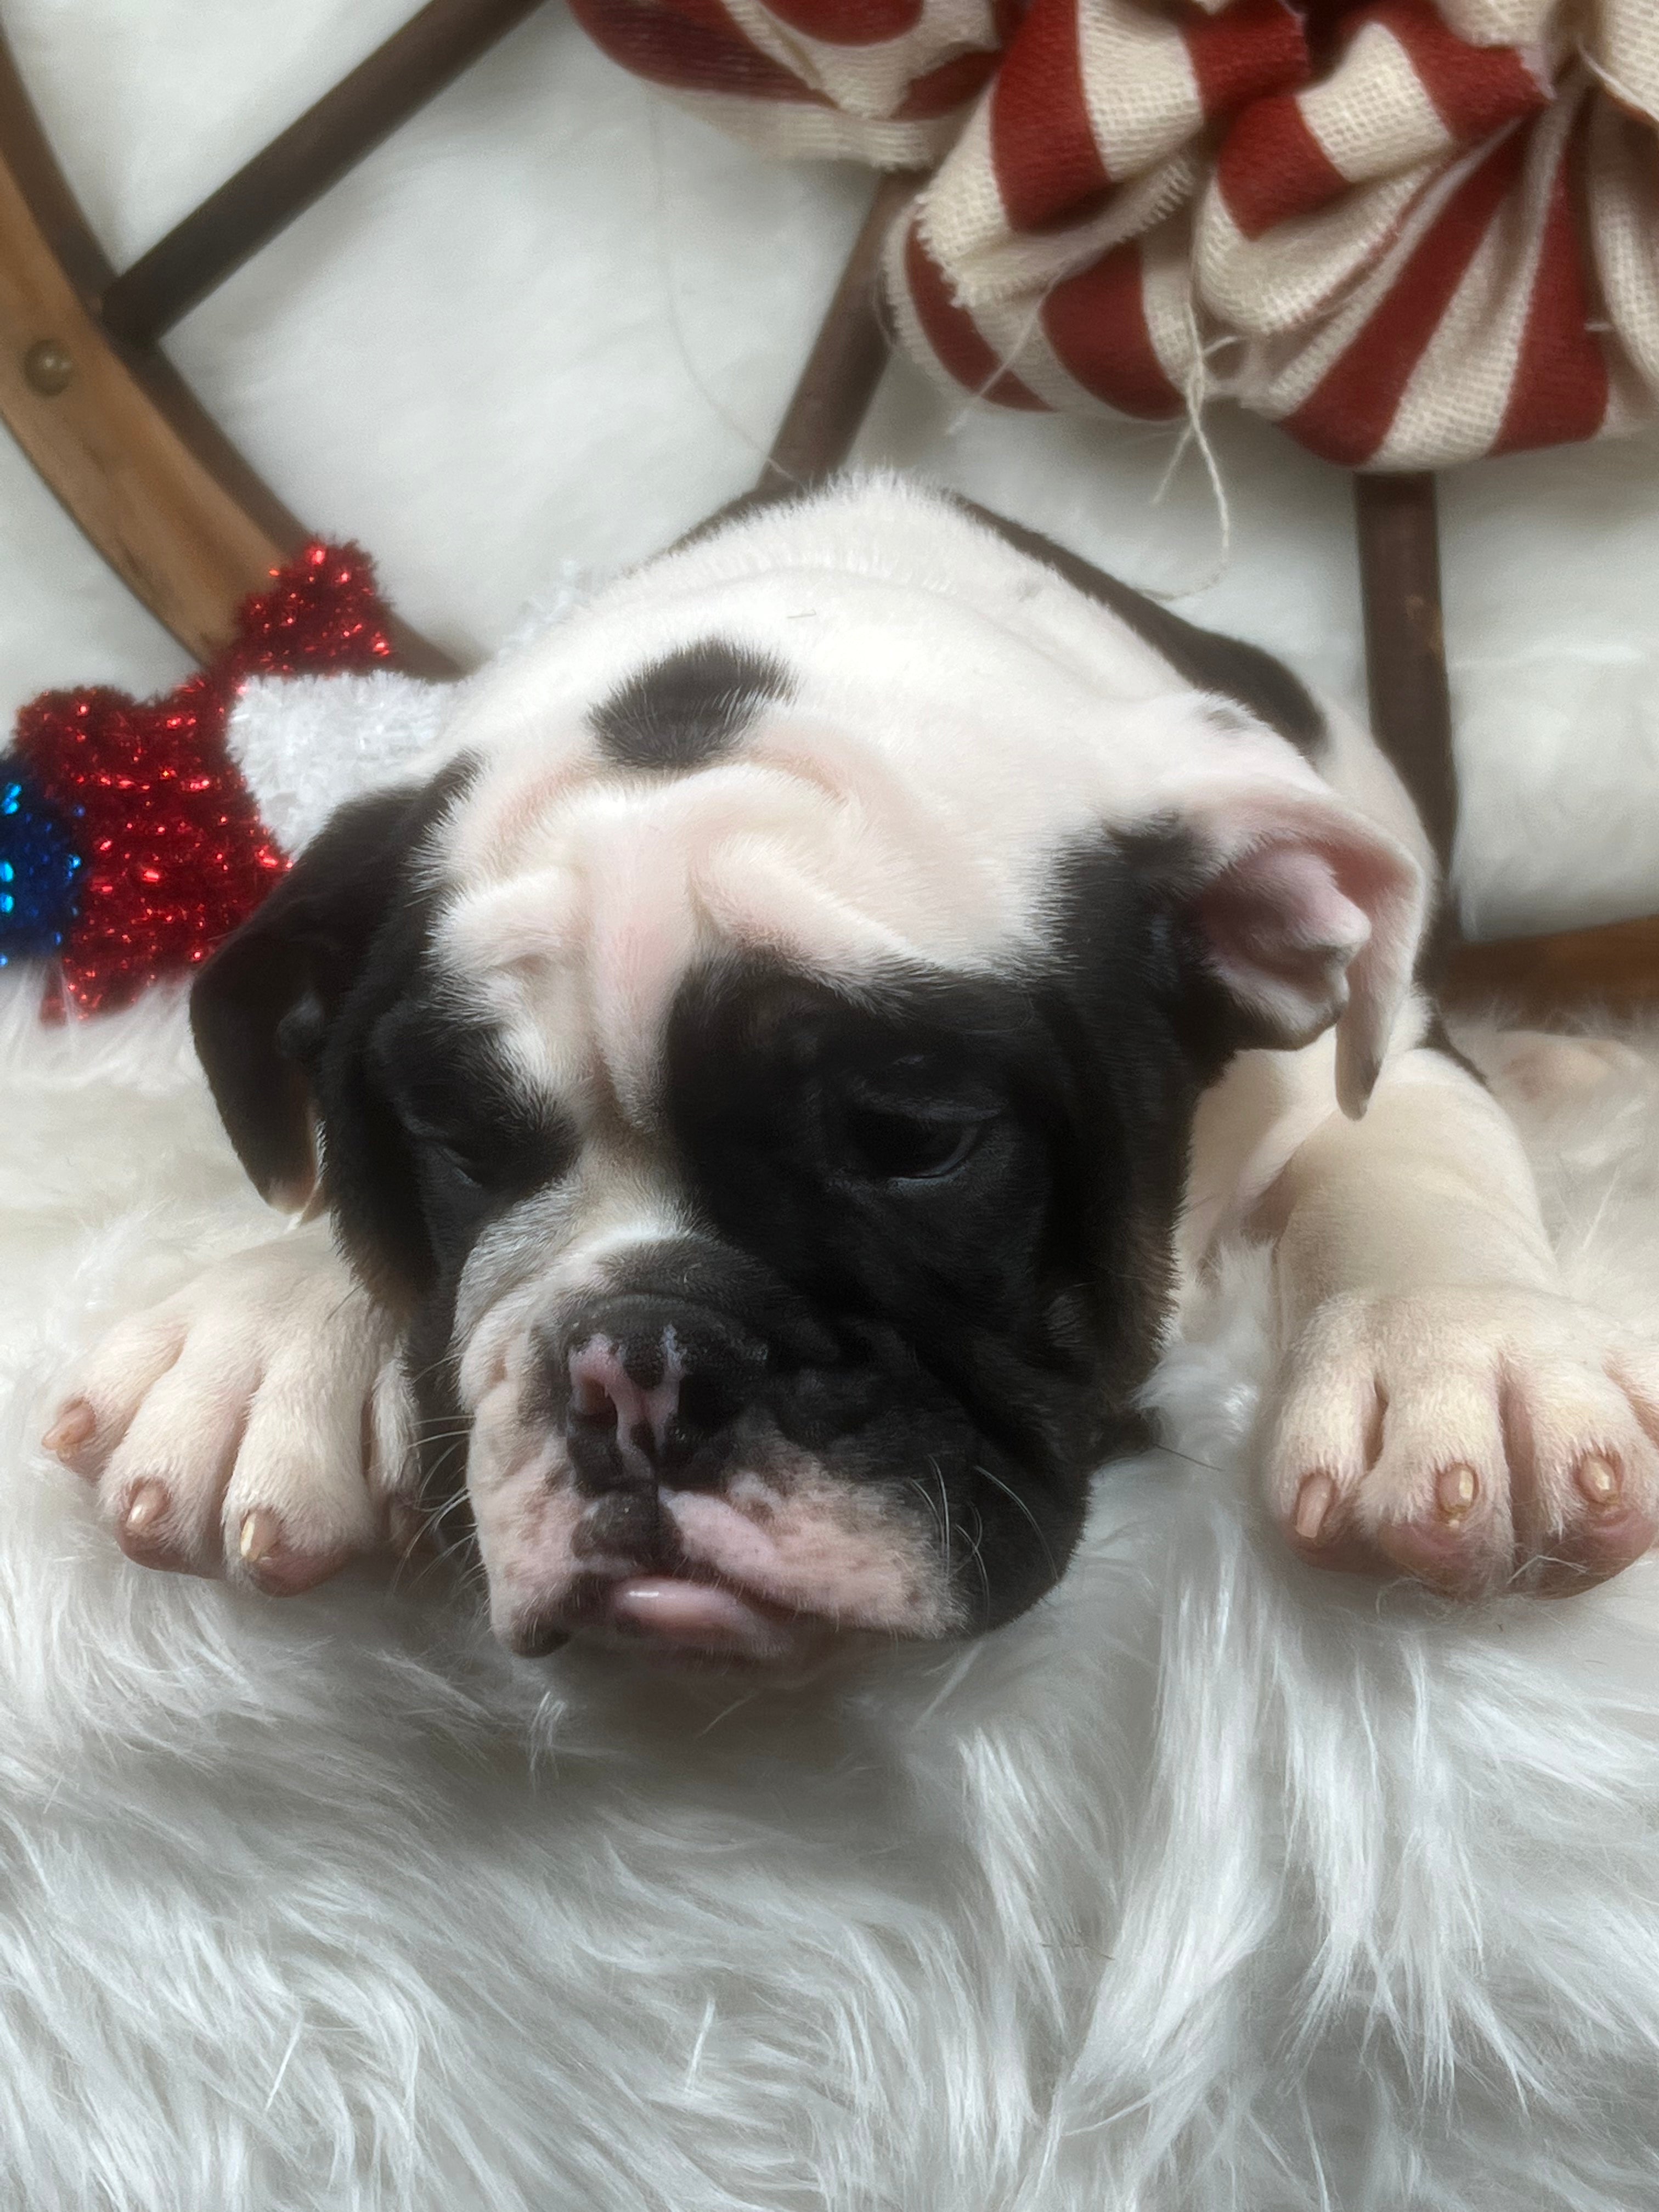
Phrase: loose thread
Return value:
(1196, 391)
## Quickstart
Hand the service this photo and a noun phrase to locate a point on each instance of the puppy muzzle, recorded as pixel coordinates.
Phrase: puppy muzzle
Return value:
(698, 1481)
(648, 1393)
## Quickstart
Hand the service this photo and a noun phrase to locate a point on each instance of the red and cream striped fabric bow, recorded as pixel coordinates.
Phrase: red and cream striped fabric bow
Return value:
(1412, 231)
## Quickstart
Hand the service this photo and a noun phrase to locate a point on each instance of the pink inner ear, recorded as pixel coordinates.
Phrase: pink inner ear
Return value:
(1282, 934)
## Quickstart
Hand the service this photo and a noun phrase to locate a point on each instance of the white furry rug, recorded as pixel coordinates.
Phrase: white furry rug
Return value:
(1215, 1883)
(1215, 1887)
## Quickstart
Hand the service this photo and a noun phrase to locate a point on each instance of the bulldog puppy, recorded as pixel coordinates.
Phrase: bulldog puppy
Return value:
(765, 1081)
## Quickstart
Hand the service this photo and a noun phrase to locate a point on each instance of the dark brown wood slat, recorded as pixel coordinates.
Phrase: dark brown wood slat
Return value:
(1405, 643)
(298, 166)
(845, 364)
(1614, 966)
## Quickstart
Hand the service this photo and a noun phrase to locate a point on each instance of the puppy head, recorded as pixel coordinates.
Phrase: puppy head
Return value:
(764, 1069)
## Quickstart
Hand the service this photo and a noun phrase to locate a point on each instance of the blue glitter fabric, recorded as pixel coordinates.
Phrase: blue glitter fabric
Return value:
(40, 871)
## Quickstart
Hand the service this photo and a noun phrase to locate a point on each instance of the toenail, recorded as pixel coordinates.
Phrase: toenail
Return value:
(73, 1427)
(261, 1534)
(1312, 1505)
(279, 1570)
(147, 1504)
(1598, 1479)
(1455, 1490)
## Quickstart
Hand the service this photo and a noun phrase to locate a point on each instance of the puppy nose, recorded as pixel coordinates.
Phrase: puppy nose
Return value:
(653, 1386)
(626, 1396)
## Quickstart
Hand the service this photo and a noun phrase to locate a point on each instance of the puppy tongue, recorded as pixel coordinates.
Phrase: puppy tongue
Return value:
(699, 1616)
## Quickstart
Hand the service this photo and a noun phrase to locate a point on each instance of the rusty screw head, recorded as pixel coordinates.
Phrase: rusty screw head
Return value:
(48, 368)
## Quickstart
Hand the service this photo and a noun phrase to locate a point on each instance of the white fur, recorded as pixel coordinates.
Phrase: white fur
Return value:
(1107, 1944)
(308, 744)
(1042, 1700)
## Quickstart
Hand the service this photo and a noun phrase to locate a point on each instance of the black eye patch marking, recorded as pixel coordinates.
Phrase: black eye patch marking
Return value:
(896, 1153)
(682, 712)
(478, 1139)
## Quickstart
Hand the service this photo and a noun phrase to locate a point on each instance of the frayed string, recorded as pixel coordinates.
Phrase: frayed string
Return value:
(664, 206)
(1195, 394)
(1003, 365)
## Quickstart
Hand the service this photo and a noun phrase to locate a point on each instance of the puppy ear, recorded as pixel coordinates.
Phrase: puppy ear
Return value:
(264, 1004)
(1307, 915)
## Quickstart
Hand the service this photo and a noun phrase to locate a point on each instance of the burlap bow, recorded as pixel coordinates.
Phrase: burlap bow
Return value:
(1412, 231)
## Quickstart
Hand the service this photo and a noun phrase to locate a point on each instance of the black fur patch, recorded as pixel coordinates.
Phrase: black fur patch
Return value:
(684, 711)
(430, 1135)
(1261, 685)
(946, 1205)
(462, 1135)
(263, 1006)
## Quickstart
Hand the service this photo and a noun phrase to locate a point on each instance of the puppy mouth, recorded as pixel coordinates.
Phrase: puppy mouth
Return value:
(769, 1573)
(716, 1620)
(685, 1613)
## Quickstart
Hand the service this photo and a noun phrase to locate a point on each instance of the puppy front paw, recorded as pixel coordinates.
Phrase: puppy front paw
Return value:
(1481, 1440)
(253, 1425)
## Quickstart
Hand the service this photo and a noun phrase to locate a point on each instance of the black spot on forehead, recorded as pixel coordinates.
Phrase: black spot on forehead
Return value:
(683, 711)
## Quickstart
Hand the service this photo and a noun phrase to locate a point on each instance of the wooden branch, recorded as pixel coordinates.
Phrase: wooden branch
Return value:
(1405, 643)
(1564, 973)
(845, 364)
(297, 167)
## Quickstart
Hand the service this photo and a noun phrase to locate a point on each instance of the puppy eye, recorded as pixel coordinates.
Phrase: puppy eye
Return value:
(515, 1157)
(894, 1147)
(504, 1152)
(468, 1160)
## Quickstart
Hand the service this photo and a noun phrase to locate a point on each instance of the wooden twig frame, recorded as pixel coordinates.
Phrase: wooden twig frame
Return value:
(179, 514)
(298, 166)
(1397, 525)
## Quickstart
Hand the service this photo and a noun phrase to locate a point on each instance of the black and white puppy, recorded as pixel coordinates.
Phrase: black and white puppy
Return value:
(766, 1078)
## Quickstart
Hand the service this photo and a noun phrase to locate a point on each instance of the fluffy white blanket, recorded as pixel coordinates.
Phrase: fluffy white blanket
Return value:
(1215, 1883)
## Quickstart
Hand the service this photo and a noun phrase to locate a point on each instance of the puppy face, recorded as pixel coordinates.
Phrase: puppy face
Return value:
(763, 1062)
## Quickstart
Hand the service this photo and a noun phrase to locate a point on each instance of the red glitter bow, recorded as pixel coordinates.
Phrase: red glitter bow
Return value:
(173, 852)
